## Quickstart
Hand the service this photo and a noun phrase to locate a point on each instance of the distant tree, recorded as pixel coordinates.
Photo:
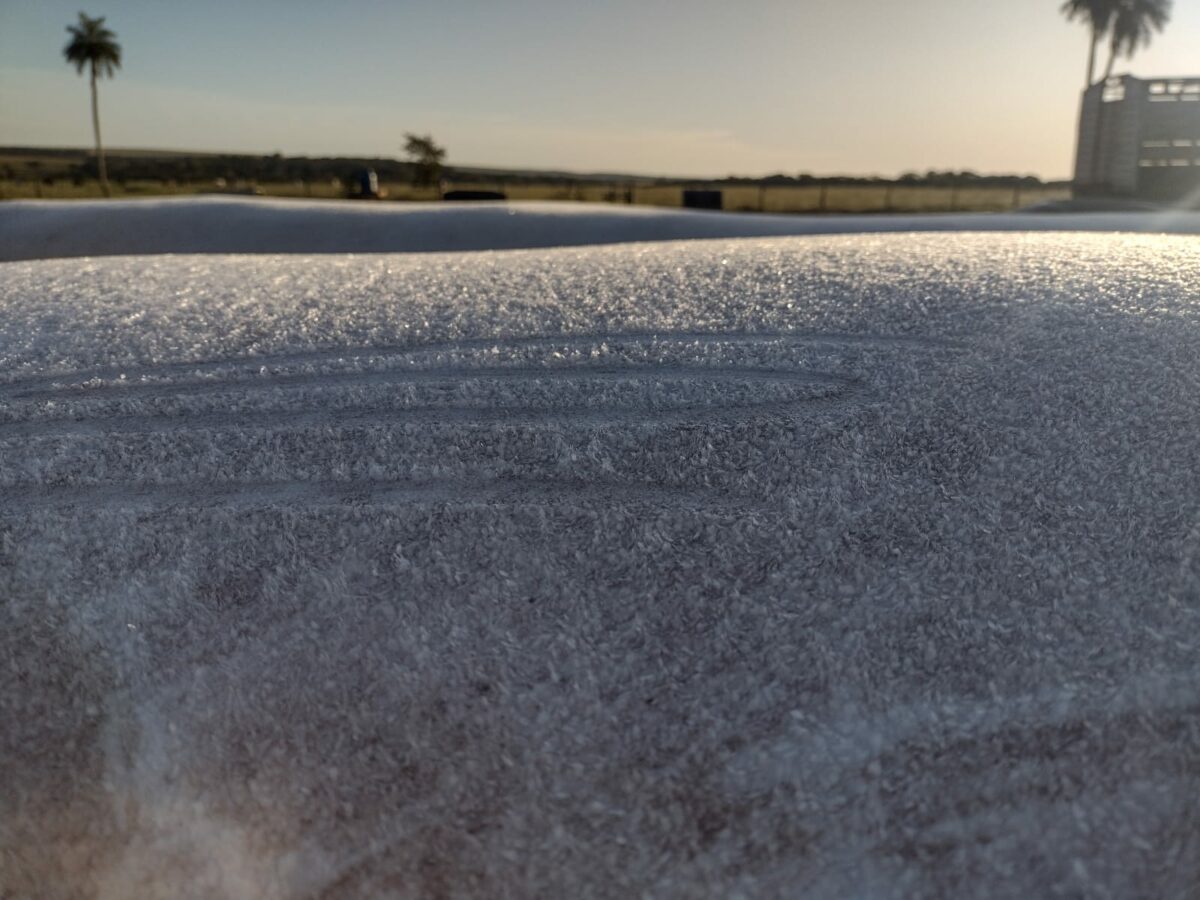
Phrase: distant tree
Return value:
(426, 155)
(94, 46)
(1134, 26)
(1098, 15)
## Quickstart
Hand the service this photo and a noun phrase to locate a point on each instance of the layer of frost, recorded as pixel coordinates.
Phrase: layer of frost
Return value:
(845, 566)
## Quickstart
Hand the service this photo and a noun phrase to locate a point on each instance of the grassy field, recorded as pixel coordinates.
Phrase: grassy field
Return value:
(33, 173)
(743, 198)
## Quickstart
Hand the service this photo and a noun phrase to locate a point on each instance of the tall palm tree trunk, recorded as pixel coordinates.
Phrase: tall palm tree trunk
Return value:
(99, 144)
(1091, 75)
(1112, 58)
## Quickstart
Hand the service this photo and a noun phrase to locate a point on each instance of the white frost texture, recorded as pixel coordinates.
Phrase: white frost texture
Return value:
(845, 566)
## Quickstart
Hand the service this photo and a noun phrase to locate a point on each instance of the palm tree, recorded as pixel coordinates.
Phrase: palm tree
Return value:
(1134, 25)
(1098, 14)
(94, 46)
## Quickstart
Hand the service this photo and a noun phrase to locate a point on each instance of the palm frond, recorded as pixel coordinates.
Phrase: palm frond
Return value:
(93, 44)
(1097, 13)
(1136, 22)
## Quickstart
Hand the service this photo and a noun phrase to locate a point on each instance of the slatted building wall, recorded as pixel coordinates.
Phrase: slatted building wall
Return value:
(1141, 138)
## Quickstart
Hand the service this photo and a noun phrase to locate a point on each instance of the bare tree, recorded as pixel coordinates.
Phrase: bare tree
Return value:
(426, 155)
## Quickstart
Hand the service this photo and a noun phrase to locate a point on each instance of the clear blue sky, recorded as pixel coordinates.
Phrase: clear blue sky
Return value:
(687, 87)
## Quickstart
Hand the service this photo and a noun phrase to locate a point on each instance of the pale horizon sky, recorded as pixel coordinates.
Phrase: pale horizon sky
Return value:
(658, 87)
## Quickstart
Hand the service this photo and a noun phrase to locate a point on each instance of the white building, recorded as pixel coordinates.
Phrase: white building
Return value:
(1140, 137)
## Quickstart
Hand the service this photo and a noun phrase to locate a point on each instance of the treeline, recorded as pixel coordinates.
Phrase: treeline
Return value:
(41, 164)
(932, 178)
(185, 168)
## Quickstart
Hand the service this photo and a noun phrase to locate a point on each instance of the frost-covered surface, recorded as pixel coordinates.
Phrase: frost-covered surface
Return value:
(851, 566)
(34, 229)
